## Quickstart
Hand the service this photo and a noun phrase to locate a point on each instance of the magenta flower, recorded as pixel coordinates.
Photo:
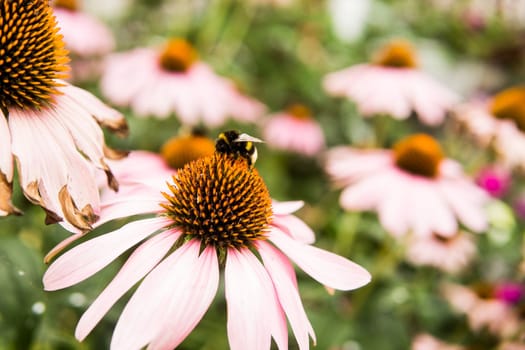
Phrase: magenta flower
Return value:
(498, 121)
(216, 212)
(162, 81)
(307, 137)
(483, 309)
(413, 187)
(495, 180)
(47, 125)
(393, 85)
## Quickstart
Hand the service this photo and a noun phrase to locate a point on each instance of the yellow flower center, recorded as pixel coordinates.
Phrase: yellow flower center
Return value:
(397, 54)
(299, 111)
(32, 54)
(178, 56)
(510, 104)
(221, 200)
(418, 154)
(179, 151)
(71, 5)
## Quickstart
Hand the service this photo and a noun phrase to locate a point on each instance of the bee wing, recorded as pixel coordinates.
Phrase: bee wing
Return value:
(246, 138)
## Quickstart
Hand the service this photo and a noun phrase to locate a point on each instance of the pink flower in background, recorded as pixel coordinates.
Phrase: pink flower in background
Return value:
(495, 180)
(214, 213)
(87, 39)
(413, 187)
(393, 85)
(83, 34)
(49, 127)
(449, 254)
(294, 130)
(162, 81)
(482, 308)
(498, 121)
(429, 342)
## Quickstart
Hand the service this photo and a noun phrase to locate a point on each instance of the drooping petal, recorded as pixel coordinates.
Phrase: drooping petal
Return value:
(6, 169)
(145, 315)
(251, 302)
(90, 257)
(197, 282)
(327, 268)
(61, 180)
(6, 159)
(283, 276)
(143, 259)
(106, 116)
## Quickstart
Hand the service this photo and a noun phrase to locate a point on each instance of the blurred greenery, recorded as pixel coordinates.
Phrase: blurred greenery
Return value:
(279, 55)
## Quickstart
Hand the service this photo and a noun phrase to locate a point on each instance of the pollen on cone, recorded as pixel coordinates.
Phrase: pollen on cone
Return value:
(32, 54)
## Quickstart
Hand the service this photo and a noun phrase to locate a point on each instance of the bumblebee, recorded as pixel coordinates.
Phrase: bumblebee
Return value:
(237, 144)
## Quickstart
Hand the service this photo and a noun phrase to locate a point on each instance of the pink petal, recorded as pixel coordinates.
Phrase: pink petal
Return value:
(327, 268)
(366, 194)
(392, 210)
(197, 282)
(145, 315)
(251, 303)
(463, 201)
(91, 256)
(105, 115)
(295, 227)
(143, 259)
(6, 159)
(284, 208)
(283, 276)
(125, 206)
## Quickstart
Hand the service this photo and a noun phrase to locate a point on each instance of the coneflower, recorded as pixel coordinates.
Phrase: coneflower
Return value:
(47, 126)
(216, 212)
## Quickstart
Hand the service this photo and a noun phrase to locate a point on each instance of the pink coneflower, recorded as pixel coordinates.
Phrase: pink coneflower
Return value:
(495, 180)
(413, 187)
(86, 38)
(47, 125)
(392, 85)
(450, 254)
(498, 121)
(483, 309)
(216, 212)
(294, 130)
(162, 81)
(429, 342)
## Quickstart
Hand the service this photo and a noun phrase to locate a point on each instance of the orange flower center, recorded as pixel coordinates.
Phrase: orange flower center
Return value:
(71, 5)
(32, 54)
(484, 290)
(178, 56)
(299, 111)
(397, 54)
(179, 151)
(510, 104)
(418, 154)
(221, 200)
